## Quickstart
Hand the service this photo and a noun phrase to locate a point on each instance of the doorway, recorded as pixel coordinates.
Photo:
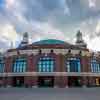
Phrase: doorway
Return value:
(74, 81)
(18, 81)
(45, 81)
(97, 81)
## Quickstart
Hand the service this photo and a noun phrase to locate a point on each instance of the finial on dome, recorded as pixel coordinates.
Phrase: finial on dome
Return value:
(25, 40)
(79, 37)
(79, 40)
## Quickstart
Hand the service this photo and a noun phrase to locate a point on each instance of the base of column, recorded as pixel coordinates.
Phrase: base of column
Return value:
(55, 86)
(35, 86)
(8, 86)
(84, 86)
(66, 87)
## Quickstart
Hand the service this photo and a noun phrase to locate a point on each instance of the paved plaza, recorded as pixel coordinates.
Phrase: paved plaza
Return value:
(49, 94)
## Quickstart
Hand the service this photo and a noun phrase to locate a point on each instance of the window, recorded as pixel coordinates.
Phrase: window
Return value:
(80, 52)
(73, 65)
(52, 51)
(46, 64)
(2, 64)
(40, 51)
(95, 66)
(69, 51)
(19, 65)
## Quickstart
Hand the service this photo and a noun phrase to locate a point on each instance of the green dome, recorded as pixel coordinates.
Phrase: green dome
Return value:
(49, 41)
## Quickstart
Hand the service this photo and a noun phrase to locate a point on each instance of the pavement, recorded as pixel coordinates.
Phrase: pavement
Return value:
(49, 94)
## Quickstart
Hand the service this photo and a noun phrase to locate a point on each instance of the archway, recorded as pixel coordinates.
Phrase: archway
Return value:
(46, 81)
(46, 64)
(18, 81)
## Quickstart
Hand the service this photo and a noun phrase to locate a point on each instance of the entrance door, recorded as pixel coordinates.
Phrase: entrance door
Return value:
(46, 81)
(18, 81)
(74, 81)
(1, 81)
(97, 81)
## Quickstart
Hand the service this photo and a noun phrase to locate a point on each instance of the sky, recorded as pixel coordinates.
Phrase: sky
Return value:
(55, 19)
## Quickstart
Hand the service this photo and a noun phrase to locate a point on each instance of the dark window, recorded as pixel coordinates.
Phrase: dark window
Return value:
(80, 52)
(52, 51)
(69, 51)
(40, 51)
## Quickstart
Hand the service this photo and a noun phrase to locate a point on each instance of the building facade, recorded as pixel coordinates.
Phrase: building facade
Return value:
(50, 63)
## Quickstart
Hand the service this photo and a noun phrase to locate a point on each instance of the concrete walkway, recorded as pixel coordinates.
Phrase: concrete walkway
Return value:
(49, 94)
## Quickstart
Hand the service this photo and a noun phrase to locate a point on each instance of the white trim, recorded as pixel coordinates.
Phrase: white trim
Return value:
(56, 51)
(50, 74)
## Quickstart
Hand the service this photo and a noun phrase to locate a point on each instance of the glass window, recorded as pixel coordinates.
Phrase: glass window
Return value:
(95, 66)
(73, 65)
(46, 64)
(19, 65)
(98, 68)
(2, 64)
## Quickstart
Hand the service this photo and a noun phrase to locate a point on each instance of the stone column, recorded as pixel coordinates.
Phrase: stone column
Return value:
(60, 81)
(85, 68)
(31, 81)
(57, 69)
(8, 68)
(64, 78)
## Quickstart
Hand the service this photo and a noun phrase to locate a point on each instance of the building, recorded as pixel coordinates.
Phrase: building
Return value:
(50, 63)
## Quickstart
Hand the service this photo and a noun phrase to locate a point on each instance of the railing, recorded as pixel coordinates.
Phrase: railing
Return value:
(49, 74)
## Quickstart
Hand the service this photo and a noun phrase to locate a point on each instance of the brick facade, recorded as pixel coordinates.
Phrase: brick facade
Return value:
(59, 66)
(59, 81)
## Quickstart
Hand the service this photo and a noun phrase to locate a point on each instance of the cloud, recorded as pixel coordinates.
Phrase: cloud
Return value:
(7, 35)
(93, 44)
(9, 3)
(97, 30)
(58, 19)
(92, 3)
(91, 33)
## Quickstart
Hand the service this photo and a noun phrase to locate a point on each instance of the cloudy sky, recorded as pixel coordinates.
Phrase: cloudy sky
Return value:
(42, 19)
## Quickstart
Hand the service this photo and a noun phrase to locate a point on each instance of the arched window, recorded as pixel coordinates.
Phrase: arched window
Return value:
(19, 65)
(46, 64)
(73, 65)
(95, 66)
(2, 64)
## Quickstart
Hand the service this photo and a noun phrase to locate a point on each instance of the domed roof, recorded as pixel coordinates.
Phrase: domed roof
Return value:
(50, 41)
